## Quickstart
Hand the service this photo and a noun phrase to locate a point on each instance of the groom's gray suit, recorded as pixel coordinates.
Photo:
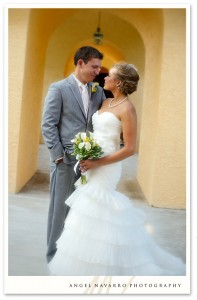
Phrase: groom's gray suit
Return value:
(63, 118)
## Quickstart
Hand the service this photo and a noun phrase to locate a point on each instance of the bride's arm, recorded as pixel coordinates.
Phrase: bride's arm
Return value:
(129, 128)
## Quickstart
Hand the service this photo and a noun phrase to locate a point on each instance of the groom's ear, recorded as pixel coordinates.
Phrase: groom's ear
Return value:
(80, 62)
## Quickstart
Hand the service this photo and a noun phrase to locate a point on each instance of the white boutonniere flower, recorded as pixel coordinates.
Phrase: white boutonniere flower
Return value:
(94, 87)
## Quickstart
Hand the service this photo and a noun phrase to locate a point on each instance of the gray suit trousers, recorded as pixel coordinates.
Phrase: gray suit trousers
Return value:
(62, 179)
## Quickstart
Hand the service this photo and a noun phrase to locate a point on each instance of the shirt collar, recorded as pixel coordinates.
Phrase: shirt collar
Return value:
(79, 83)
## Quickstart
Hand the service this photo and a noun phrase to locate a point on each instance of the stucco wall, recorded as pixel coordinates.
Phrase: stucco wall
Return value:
(18, 31)
(161, 171)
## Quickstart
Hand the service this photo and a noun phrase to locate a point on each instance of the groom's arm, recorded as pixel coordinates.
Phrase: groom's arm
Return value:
(50, 121)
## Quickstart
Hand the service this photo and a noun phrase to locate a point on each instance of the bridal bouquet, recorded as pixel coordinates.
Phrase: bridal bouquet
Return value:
(85, 147)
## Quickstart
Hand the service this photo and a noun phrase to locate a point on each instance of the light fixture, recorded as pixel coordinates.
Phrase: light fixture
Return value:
(98, 36)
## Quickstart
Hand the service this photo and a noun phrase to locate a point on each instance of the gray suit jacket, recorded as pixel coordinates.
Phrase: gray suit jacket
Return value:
(64, 115)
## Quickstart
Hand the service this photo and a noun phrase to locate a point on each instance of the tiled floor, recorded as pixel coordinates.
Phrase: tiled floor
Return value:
(28, 218)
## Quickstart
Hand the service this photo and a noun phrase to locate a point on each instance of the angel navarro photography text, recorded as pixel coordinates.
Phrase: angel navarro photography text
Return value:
(129, 285)
(125, 285)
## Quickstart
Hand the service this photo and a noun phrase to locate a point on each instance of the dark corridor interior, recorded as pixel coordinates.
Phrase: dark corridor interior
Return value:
(100, 79)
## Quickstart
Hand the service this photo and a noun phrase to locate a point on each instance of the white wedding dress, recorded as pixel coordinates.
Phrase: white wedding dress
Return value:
(103, 233)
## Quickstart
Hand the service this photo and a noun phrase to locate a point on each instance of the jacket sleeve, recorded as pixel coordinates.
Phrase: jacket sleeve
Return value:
(50, 121)
(103, 95)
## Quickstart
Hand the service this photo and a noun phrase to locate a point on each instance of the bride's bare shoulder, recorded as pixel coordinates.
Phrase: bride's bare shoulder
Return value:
(106, 101)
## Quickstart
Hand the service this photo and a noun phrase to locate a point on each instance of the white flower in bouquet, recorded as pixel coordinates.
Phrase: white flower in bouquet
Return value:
(86, 147)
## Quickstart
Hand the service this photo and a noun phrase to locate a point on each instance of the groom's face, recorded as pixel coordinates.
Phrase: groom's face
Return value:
(89, 70)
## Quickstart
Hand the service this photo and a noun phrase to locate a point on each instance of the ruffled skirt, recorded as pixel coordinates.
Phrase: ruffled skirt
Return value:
(104, 235)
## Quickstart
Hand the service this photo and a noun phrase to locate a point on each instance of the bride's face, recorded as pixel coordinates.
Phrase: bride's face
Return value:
(110, 81)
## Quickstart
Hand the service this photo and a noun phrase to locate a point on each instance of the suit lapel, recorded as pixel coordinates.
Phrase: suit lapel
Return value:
(90, 89)
(93, 102)
(77, 96)
(75, 90)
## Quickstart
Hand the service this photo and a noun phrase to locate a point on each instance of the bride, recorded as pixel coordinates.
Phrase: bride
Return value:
(103, 233)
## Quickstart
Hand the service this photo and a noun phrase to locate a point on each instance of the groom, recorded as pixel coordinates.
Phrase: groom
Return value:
(69, 106)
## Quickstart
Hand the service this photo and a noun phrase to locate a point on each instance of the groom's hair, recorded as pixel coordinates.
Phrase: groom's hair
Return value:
(86, 53)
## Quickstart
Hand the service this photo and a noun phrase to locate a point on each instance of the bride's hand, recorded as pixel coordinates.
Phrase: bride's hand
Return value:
(88, 164)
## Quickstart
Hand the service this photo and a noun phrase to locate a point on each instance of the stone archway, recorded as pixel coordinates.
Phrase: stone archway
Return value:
(116, 47)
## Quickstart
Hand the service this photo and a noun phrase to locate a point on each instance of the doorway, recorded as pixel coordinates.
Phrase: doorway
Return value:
(100, 79)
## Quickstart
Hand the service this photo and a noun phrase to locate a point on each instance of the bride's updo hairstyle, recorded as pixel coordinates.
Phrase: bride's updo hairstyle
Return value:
(128, 75)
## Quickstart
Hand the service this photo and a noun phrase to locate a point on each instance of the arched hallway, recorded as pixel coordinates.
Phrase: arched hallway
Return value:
(41, 46)
(28, 218)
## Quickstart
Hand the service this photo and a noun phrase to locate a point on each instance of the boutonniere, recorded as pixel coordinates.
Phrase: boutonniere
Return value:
(94, 87)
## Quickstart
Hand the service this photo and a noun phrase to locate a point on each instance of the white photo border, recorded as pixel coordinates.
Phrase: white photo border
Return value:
(115, 285)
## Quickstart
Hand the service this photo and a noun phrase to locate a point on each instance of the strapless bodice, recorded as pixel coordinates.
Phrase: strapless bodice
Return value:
(107, 129)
